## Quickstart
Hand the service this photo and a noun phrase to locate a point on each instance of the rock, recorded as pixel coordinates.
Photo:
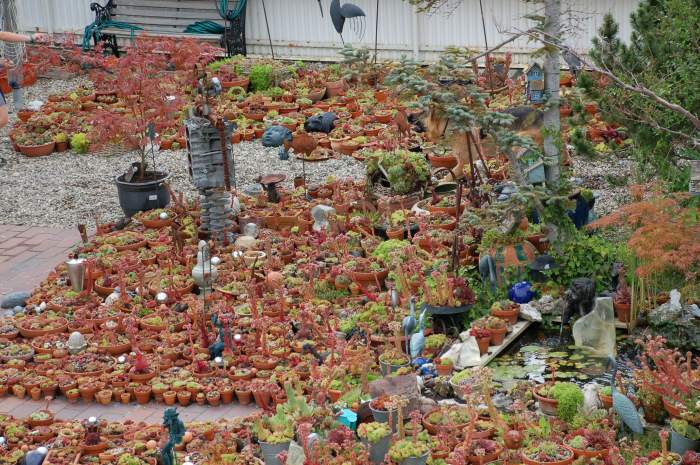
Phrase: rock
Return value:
(530, 313)
(15, 299)
(678, 323)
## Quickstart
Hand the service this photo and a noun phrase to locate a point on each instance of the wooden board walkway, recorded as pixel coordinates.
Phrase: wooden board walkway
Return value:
(517, 329)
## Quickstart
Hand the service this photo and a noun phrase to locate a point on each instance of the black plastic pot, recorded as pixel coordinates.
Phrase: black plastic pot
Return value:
(137, 196)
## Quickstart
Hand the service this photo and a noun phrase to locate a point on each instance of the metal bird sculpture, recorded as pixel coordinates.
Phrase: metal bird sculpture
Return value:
(348, 11)
(320, 6)
(623, 406)
(409, 324)
(418, 338)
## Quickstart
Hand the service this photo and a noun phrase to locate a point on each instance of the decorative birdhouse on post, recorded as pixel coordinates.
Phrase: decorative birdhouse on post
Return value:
(534, 87)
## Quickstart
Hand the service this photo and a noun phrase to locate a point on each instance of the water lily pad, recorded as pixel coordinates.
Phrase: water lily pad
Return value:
(558, 355)
(531, 349)
(576, 357)
(582, 377)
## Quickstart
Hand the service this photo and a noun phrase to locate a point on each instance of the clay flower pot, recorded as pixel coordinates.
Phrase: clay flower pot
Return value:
(547, 405)
(104, 397)
(244, 396)
(184, 398)
(170, 397)
(497, 335)
(142, 394)
(511, 316)
(484, 343)
(622, 310)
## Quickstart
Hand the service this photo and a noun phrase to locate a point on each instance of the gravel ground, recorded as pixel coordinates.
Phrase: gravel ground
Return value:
(606, 175)
(63, 190)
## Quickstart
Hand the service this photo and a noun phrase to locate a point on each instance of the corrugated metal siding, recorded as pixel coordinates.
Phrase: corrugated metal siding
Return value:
(58, 15)
(299, 32)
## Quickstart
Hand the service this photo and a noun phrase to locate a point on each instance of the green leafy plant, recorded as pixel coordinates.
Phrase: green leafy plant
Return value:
(79, 143)
(261, 77)
(404, 170)
(685, 429)
(586, 256)
(569, 397)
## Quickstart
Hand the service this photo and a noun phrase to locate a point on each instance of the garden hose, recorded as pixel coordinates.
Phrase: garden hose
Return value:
(96, 28)
(222, 6)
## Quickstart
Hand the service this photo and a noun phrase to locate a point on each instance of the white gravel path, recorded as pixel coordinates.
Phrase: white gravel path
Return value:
(63, 190)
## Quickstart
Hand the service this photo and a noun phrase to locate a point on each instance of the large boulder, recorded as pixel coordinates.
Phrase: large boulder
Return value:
(15, 299)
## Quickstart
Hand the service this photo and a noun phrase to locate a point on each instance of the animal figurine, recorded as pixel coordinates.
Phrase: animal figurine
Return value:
(591, 401)
(418, 338)
(274, 136)
(409, 324)
(323, 122)
(176, 431)
(623, 406)
(301, 143)
(579, 298)
(341, 13)
(401, 121)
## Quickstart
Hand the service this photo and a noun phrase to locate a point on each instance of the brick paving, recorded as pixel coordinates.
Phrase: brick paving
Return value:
(151, 413)
(28, 253)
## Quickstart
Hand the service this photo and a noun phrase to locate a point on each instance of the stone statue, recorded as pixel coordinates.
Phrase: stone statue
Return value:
(76, 343)
(320, 214)
(323, 122)
(176, 431)
(579, 298)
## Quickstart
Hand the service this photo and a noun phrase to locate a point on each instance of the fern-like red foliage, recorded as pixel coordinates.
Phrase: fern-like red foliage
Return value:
(665, 234)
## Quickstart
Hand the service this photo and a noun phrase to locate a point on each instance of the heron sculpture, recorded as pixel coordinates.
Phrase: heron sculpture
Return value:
(340, 13)
(623, 406)
(409, 324)
(418, 338)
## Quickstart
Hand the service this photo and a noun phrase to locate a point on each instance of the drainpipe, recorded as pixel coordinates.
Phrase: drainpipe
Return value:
(414, 33)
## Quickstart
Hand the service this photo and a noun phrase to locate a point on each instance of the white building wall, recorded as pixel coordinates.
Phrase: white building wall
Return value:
(299, 32)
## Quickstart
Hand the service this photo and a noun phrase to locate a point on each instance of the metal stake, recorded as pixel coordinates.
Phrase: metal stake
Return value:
(267, 24)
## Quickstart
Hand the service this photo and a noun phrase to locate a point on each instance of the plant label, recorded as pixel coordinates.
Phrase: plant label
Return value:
(128, 176)
(153, 197)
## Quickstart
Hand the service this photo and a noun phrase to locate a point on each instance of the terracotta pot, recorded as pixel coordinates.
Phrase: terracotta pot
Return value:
(37, 150)
(481, 459)
(449, 161)
(61, 146)
(528, 461)
(483, 344)
(591, 108)
(511, 316)
(263, 398)
(382, 116)
(72, 396)
(335, 88)
(35, 393)
(622, 311)
(443, 370)
(396, 233)
(497, 335)
(184, 398)
(142, 394)
(606, 401)
(248, 134)
(244, 397)
(547, 405)
(104, 397)
(170, 397)
(565, 112)
(87, 392)
(226, 395)
(236, 137)
(214, 400)
(671, 408)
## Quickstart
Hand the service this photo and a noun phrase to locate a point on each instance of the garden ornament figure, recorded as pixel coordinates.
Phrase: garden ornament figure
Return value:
(323, 122)
(176, 431)
(409, 323)
(579, 298)
(275, 136)
(341, 13)
(217, 348)
(623, 406)
(418, 338)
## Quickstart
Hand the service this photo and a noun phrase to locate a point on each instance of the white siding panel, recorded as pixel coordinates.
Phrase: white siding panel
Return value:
(298, 31)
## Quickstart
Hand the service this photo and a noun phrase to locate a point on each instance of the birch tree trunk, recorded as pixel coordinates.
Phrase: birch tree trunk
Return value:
(552, 139)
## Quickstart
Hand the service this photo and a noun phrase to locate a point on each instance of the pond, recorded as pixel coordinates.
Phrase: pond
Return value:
(538, 350)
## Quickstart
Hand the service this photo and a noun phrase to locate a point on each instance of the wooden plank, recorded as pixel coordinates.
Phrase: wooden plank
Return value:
(167, 13)
(517, 329)
(191, 4)
(121, 33)
(152, 21)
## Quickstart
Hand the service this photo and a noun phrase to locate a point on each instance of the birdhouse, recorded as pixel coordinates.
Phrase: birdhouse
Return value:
(534, 87)
(532, 165)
